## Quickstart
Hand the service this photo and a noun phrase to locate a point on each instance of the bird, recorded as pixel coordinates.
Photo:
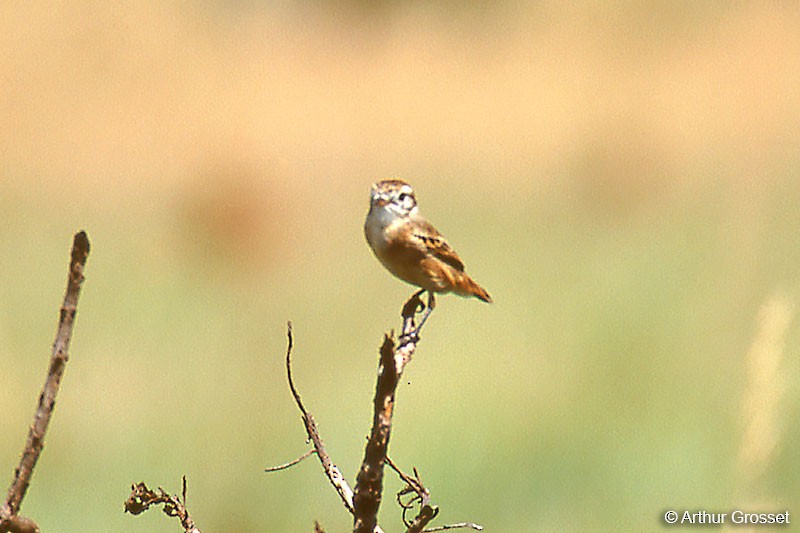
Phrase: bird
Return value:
(411, 248)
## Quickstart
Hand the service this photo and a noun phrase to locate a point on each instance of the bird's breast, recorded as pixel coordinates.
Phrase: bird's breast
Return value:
(375, 228)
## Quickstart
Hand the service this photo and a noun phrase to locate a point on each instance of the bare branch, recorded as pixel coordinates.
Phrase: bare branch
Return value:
(364, 502)
(393, 360)
(289, 347)
(419, 495)
(331, 470)
(414, 484)
(426, 514)
(460, 525)
(290, 463)
(142, 498)
(47, 398)
(312, 431)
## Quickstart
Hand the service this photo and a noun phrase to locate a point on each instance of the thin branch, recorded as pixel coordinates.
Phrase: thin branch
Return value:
(427, 512)
(331, 470)
(420, 495)
(183, 491)
(142, 498)
(290, 463)
(460, 525)
(312, 431)
(393, 360)
(47, 398)
(413, 483)
(289, 347)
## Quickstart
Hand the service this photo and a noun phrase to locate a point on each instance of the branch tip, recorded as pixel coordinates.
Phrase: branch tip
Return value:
(312, 431)
(80, 247)
(291, 463)
(47, 398)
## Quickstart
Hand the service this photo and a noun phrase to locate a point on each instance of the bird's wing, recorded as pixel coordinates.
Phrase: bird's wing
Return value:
(437, 246)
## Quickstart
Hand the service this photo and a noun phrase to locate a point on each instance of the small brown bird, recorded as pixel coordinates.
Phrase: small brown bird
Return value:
(411, 248)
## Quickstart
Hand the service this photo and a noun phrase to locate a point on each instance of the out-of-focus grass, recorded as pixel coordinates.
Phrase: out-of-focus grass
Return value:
(628, 198)
(604, 384)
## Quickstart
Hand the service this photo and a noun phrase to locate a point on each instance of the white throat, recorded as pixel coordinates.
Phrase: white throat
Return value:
(380, 218)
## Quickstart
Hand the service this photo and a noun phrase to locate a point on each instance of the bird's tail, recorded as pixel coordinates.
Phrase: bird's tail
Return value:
(466, 286)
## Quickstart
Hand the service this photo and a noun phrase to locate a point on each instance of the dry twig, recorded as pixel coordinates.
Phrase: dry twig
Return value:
(393, 360)
(331, 470)
(9, 521)
(142, 498)
(365, 501)
(460, 525)
(291, 463)
(333, 473)
(419, 495)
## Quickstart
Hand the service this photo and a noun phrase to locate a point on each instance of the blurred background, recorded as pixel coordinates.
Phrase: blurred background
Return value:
(622, 177)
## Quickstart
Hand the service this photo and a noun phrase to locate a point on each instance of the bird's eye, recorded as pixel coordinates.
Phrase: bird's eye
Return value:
(403, 196)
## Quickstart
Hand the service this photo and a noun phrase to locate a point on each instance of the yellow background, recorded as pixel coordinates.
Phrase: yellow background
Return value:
(623, 179)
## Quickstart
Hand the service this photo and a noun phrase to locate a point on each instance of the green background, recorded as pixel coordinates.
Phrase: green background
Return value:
(622, 178)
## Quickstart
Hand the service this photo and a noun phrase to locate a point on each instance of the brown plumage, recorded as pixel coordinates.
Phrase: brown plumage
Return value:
(410, 247)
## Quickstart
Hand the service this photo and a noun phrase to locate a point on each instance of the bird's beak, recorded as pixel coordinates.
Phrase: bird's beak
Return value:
(378, 199)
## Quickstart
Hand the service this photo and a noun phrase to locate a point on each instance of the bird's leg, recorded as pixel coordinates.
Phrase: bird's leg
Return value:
(431, 305)
(413, 306)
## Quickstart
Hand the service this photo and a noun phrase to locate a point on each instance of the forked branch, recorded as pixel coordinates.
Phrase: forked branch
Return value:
(364, 502)
(331, 470)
